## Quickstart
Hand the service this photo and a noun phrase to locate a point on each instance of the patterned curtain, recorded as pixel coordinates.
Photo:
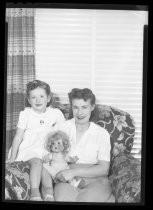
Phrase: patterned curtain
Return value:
(20, 64)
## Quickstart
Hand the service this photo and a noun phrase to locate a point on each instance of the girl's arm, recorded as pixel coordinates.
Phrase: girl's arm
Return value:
(15, 144)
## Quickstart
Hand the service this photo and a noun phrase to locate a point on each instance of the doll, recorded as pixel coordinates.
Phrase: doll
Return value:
(58, 145)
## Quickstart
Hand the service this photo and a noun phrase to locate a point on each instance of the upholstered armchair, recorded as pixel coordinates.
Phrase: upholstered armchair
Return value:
(125, 170)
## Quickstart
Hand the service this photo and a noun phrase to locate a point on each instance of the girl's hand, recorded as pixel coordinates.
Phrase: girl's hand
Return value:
(64, 175)
(11, 160)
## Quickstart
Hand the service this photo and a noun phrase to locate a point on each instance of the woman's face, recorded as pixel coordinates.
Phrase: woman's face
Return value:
(82, 110)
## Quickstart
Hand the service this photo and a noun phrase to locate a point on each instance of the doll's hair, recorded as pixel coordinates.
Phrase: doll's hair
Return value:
(54, 136)
(38, 84)
(84, 94)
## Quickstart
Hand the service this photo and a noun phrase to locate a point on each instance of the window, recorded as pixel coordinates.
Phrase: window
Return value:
(98, 49)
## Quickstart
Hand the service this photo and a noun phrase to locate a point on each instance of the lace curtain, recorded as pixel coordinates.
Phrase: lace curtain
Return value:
(20, 64)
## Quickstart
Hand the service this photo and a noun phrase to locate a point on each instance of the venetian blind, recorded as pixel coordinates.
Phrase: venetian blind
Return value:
(98, 49)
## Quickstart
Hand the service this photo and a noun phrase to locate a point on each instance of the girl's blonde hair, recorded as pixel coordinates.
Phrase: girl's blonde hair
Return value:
(54, 136)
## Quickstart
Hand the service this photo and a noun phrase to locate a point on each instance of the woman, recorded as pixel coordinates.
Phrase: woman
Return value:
(91, 144)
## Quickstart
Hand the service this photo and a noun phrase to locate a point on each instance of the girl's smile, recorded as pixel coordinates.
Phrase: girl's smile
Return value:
(38, 100)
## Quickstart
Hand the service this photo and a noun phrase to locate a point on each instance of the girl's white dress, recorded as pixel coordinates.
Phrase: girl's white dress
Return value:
(36, 127)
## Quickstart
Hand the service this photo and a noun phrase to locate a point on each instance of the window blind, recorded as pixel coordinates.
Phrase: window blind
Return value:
(98, 49)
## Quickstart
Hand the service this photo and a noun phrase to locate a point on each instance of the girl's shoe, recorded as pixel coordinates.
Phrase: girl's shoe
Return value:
(34, 198)
(48, 197)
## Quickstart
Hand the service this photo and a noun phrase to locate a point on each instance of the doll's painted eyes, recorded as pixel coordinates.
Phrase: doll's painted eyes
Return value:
(54, 143)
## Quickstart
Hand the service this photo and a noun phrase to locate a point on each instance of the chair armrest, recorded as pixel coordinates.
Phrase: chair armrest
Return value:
(125, 177)
(17, 185)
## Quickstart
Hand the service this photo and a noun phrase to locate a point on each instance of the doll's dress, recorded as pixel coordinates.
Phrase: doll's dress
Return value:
(56, 164)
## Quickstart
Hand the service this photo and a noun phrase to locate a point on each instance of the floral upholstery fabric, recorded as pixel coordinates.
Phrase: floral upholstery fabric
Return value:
(124, 168)
(17, 185)
(126, 178)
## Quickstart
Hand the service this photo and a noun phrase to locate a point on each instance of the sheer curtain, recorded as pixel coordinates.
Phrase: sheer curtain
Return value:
(20, 64)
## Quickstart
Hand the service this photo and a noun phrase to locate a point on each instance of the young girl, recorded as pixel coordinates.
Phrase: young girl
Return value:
(35, 122)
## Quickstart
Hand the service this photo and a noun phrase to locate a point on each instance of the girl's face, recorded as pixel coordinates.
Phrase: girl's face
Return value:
(38, 99)
(82, 110)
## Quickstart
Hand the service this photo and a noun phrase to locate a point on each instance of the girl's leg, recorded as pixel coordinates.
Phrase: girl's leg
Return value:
(47, 185)
(35, 177)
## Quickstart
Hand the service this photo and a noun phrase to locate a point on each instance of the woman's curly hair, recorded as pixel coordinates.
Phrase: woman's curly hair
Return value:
(54, 136)
(85, 94)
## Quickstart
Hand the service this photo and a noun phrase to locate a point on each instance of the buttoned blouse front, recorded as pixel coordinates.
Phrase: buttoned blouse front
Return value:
(94, 144)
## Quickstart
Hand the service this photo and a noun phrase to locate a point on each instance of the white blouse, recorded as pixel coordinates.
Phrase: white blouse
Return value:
(94, 145)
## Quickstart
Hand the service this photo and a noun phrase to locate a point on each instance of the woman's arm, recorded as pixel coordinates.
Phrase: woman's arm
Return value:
(15, 145)
(47, 158)
(99, 169)
(91, 171)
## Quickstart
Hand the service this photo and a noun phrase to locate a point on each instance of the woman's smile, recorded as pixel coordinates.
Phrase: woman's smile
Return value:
(38, 104)
(82, 110)
(80, 117)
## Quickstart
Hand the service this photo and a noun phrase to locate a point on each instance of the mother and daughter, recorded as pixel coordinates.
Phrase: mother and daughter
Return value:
(89, 146)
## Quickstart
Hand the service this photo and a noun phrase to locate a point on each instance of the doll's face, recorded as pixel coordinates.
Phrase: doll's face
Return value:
(57, 146)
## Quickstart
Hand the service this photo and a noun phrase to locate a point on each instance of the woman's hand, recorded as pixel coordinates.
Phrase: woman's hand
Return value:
(64, 175)
(73, 159)
(46, 159)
